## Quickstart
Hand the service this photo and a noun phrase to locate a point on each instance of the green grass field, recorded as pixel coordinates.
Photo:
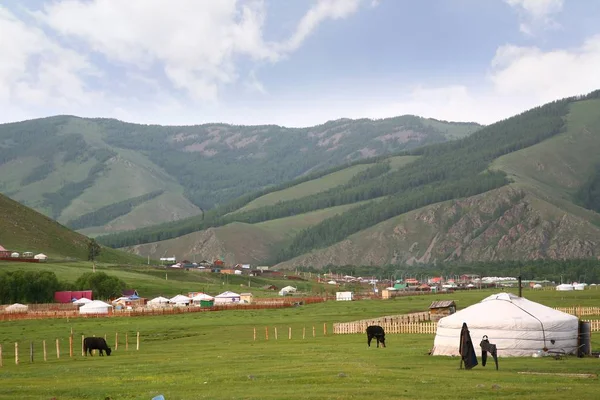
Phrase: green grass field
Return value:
(213, 355)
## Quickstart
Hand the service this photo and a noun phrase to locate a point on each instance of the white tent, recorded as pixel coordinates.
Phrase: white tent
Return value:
(83, 300)
(564, 287)
(202, 296)
(288, 289)
(159, 300)
(41, 257)
(518, 327)
(15, 308)
(227, 297)
(95, 307)
(14, 255)
(180, 300)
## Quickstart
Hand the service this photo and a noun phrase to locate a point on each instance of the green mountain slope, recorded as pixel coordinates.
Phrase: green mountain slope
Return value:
(23, 229)
(68, 167)
(511, 190)
(537, 216)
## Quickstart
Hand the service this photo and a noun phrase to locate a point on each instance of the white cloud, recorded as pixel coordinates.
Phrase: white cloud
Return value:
(519, 78)
(322, 10)
(195, 42)
(36, 71)
(536, 14)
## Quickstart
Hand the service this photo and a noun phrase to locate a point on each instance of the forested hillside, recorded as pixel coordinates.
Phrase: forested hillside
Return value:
(456, 193)
(103, 175)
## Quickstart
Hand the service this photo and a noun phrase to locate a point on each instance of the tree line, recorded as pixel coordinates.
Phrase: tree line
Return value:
(108, 213)
(39, 286)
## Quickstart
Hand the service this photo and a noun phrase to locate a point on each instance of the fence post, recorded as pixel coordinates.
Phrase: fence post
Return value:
(82, 348)
(116, 340)
(266, 333)
(44, 347)
(324, 328)
(126, 341)
(137, 345)
(303, 332)
(30, 351)
(57, 349)
(71, 345)
(289, 332)
(16, 353)
(275, 333)
(254, 333)
(0, 355)
(313, 331)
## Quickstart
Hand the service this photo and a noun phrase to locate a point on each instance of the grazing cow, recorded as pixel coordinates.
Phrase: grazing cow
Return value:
(375, 331)
(95, 343)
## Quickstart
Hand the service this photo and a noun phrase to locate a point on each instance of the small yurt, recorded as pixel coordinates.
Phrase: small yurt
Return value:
(95, 307)
(16, 308)
(565, 287)
(180, 300)
(158, 302)
(204, 300)
(518, 327)
(15, 255)
(41, 257)
(227, 298)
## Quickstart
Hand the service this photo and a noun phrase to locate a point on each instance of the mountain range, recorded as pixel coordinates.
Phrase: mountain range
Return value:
(101, 175)
(400, 191)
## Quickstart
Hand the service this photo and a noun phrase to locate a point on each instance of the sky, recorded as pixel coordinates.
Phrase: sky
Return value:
(293, 63)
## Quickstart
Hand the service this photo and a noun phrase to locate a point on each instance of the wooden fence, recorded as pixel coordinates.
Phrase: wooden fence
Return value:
(594, 325)
(403, 323)
(579, 310)
(389, 327)
(170, 310)
(43, 350)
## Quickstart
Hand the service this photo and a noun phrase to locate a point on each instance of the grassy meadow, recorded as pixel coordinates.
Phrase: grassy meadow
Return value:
(212, 355)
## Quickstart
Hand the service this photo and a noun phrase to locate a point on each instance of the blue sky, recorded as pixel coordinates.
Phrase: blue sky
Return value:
(293, 62)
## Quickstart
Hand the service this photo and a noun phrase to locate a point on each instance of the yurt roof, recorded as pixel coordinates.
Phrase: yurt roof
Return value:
(159, 299)
(83, 300)
(227, 294)
(202, 296)
(507, 310)
(180, 299)
(95, 304)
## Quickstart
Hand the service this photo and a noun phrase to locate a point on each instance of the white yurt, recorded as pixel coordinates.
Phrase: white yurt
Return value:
(95, 307)
(518, 327)
(16, 308)
(565, 287)
(159, 301)
(180, 300)
(227, 298)
(41, 257)
(202, 296)
(286, 290)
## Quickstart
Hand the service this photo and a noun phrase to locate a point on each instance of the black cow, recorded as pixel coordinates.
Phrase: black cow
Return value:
(375, 331)
(95, 343)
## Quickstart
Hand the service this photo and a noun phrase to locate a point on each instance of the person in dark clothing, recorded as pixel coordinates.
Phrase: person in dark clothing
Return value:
(487, 347)
(466, 349)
